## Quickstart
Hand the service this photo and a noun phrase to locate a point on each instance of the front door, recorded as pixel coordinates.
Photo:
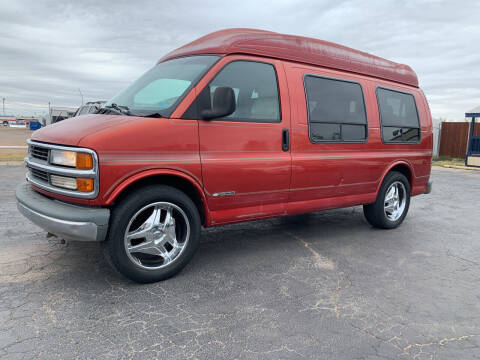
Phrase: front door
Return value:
(246, 167)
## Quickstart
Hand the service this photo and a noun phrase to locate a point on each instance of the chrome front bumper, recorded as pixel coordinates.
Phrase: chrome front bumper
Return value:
(67, 221)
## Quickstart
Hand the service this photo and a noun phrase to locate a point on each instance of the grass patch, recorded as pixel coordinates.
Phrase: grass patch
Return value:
(441, 161)
(8, 155)
(11, 157)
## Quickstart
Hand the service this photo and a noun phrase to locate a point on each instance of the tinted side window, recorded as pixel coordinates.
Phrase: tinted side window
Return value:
(336, 110)
(398, 116)
(255, 88)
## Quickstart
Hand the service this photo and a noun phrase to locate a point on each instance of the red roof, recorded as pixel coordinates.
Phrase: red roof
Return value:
(298, 49)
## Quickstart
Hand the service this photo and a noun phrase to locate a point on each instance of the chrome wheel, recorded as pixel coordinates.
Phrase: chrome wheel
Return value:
(156, 235)
(395, 201)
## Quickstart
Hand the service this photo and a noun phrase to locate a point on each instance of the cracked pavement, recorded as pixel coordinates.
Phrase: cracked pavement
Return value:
(317, 286)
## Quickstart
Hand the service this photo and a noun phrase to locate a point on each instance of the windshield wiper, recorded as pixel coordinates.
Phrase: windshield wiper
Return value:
(121, 110)
(154, 115)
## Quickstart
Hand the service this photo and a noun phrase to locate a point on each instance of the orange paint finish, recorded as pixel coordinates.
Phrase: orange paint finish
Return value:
(239, 168)
(299, 49)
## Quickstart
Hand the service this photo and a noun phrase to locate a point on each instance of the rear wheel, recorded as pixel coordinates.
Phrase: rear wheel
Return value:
(392, 203)
(153, 234)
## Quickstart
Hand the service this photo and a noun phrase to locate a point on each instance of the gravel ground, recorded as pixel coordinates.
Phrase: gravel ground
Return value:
(318, 286)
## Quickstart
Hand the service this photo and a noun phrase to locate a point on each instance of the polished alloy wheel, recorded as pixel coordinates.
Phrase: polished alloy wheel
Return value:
(395, 201)
(156, 235)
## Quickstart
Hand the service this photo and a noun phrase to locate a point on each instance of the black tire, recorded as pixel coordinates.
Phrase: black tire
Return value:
(123, 213)
(375, 213)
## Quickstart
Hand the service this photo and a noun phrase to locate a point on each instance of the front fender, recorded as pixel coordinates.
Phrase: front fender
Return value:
(118, 188)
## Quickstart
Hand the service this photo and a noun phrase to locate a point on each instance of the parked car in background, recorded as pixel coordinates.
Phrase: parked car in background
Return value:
(238, 125)
(6, 120)
(90, 107)
(25, 121)
(17, 121)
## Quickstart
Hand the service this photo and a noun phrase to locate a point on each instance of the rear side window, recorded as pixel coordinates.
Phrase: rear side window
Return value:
(398, 116)
(336, 110)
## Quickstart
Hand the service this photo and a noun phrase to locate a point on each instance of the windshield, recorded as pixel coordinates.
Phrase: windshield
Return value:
(161, 88)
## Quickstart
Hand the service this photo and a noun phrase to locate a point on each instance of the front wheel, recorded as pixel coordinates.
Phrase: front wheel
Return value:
(392, 203)
(153, 234)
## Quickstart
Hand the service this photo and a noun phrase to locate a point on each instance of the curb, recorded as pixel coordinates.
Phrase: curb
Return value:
(461, 167)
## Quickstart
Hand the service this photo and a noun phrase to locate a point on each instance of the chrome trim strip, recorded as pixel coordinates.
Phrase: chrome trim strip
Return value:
(60, 170)
(60, 147)
(225, 193)
(68, 230)
(47, 167)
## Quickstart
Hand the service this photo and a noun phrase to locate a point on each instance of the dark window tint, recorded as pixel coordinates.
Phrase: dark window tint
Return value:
(353, 132)
(325, 132)
(336, 110)
(255, 88)
(398, 115)
(397, 134)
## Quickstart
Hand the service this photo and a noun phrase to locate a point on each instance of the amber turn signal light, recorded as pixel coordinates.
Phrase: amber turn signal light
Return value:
(84, 161)
(84, 185)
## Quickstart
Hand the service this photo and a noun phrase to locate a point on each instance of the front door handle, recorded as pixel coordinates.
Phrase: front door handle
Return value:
(285, 140)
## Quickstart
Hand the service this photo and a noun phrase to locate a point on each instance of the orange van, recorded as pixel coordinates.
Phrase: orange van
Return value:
(238, 125)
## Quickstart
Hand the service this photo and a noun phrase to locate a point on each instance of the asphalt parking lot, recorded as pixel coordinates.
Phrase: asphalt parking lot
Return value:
(316, 286)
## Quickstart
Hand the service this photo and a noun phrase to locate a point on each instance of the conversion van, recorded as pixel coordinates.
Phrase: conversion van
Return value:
(238, 125)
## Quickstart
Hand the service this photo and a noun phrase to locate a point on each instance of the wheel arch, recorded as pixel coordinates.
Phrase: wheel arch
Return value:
(177, 179)
(402, 166)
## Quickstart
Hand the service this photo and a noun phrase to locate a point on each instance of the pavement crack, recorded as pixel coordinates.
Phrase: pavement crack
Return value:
(441, 342)
(321, 262)
(471, 262)
(334, 295)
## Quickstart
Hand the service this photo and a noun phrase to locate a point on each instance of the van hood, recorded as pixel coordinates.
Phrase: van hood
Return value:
(72, 131)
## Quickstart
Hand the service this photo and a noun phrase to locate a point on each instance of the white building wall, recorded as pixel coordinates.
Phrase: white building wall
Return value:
(437, 128)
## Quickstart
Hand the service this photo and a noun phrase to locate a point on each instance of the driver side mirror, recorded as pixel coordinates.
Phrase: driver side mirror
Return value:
(223, 104)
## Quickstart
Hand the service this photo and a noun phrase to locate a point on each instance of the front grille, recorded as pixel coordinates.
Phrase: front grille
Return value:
(39, 152)
(39, 174)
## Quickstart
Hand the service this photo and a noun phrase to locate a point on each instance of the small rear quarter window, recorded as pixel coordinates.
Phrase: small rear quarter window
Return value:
(398, 116)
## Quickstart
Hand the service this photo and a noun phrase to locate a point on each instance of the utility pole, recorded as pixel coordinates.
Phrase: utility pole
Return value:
(80, 94)
(3, 100)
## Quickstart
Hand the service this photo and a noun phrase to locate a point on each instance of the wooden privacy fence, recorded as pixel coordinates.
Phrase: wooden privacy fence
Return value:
(454, 138)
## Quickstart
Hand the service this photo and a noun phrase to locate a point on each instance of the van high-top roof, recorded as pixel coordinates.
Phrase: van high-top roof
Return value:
(298, 49)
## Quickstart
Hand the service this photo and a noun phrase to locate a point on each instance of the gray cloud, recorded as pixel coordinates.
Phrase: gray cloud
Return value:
(49, 49)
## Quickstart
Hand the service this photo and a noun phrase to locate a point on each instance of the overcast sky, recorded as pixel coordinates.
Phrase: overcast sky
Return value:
(50, 49)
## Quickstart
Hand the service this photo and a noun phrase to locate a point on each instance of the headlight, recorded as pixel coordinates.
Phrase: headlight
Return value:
(79, 160)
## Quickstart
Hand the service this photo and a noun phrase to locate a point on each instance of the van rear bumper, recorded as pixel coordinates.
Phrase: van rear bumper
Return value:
(67, 221)
(428, 190)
